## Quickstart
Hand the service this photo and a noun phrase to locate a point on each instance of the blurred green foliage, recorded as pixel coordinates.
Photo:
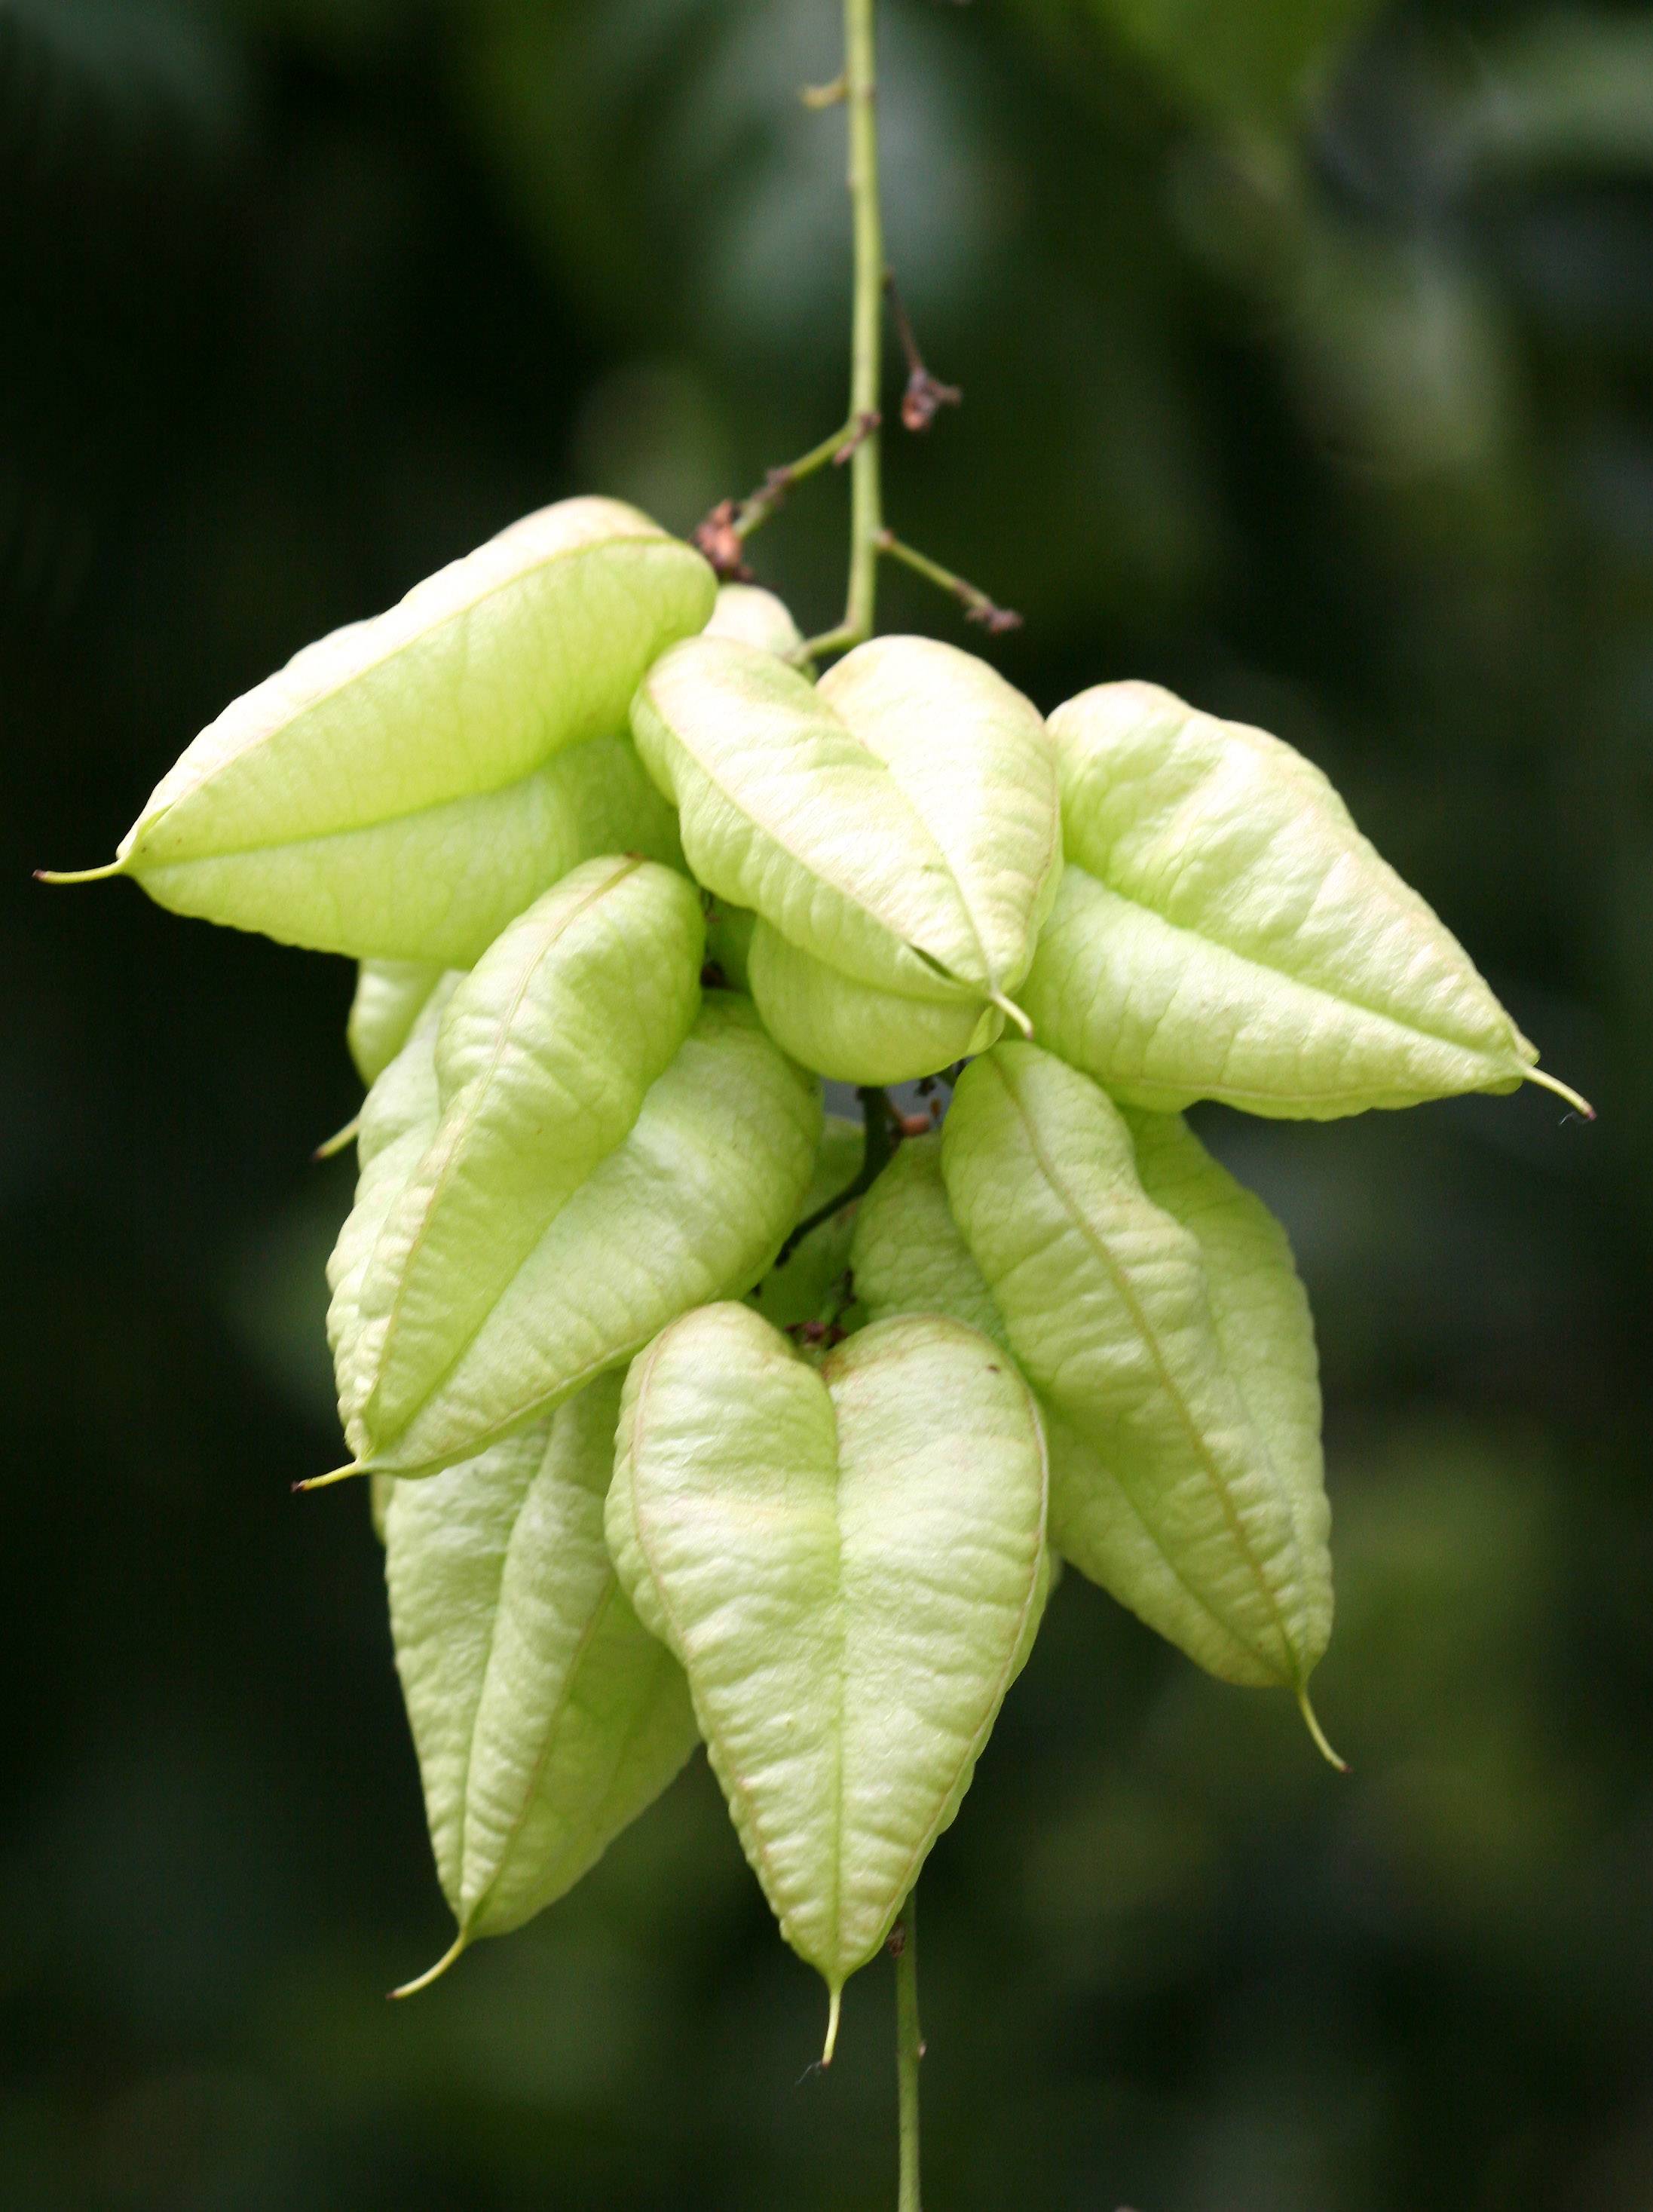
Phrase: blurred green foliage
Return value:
(1309, 361)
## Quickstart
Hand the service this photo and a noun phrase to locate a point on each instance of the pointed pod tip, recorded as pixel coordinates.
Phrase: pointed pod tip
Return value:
(835, 2009)
(432, 1973)
(1012, 1013)
(1580, 1105)
(335, 1144)
(1318, 1734)
(80, 875)
(326, 1482)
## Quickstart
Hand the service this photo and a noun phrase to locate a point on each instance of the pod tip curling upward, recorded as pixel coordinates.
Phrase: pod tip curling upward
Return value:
(1580, 1105)
(433, 1973)
(326, 1482)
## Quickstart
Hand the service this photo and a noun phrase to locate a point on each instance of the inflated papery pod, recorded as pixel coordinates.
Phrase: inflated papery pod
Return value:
(755, 616)
(849, 1561)
(609, 804)
(595, 1157)
(390, 997)
(894, 829)
(1223, 931)
(545, 1717)
(1151, 1302)
(391, 792)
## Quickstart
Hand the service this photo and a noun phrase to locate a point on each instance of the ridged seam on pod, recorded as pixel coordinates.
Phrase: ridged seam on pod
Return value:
(898, 821)
(692, 1206)
(1223, 931)
(384, 795)
(848, 1561)
(544, 1056)
(1178, 1349)
(545, 1717)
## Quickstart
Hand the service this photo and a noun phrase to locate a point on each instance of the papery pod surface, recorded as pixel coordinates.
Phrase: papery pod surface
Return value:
(849, 1561)
(1223, 931)
(755, 616)
(399, 1120)
(897, 825)
(386, 794)
(545, 1054)
(545, 1717)
(613, 803)
(851, 1032)
(691, 1206)
(1152, 1303)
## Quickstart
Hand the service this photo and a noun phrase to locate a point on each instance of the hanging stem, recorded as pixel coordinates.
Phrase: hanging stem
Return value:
(880, 1119)
(866, 483)
(909, 2048)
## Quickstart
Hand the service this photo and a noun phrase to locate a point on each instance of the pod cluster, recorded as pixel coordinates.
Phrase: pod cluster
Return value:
(626, 883)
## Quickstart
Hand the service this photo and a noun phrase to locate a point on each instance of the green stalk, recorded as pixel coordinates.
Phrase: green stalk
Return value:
(867, 331)
(910, 2049)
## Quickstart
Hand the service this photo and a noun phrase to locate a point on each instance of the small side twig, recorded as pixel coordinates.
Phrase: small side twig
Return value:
(926, 394)
(978, 607)
(722, 537)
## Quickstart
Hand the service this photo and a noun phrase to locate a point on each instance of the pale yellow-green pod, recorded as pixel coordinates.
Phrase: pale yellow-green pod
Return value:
(692, 1204)
(544, 1056)
(1152, 1303)
(848, 1559)
(390, 996)
(388, 794)
(851, 1032)
(898, 821)
(613, 803)
(545, 1717)
(1223, 931)
(755, 616)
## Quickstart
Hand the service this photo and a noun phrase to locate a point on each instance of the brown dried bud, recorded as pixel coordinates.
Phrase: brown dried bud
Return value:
(925, 396)
(719, 541)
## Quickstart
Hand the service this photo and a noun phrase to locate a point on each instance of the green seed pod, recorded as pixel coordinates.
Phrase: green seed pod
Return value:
(386, 794)
(755, 616)
(543, 1059)
(1152, 1303)
(897, 825)
(1223, 931)
(853, 1032)
(613, 803)
(397, 1123)
(546, 1718)
(692, 1205)
(907, 1253)
(849, 1561)
(390, 996)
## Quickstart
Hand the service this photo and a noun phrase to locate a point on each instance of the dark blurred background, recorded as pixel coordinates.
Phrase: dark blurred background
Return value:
(1309, 355)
